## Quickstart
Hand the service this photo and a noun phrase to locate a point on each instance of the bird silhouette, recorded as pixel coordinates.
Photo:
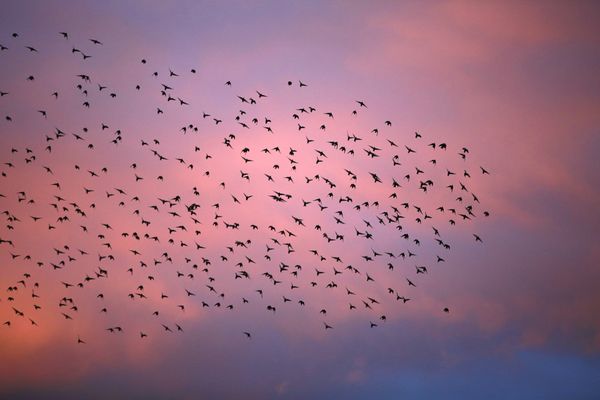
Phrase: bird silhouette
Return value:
(110, 204)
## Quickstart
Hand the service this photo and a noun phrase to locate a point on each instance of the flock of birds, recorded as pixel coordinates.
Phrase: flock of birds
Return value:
(284, 221)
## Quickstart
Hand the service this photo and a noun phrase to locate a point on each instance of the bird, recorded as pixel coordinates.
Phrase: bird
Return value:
(215, 213)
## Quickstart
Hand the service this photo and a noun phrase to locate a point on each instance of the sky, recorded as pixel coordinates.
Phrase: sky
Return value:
(515, 82)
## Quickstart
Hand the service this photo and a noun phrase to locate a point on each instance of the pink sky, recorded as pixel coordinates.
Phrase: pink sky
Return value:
(514, 82)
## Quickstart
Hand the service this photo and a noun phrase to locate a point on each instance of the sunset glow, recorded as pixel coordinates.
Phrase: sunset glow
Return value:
(376, 200)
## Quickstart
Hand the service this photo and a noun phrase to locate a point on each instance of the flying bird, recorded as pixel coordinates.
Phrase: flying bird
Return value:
(215, 213)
